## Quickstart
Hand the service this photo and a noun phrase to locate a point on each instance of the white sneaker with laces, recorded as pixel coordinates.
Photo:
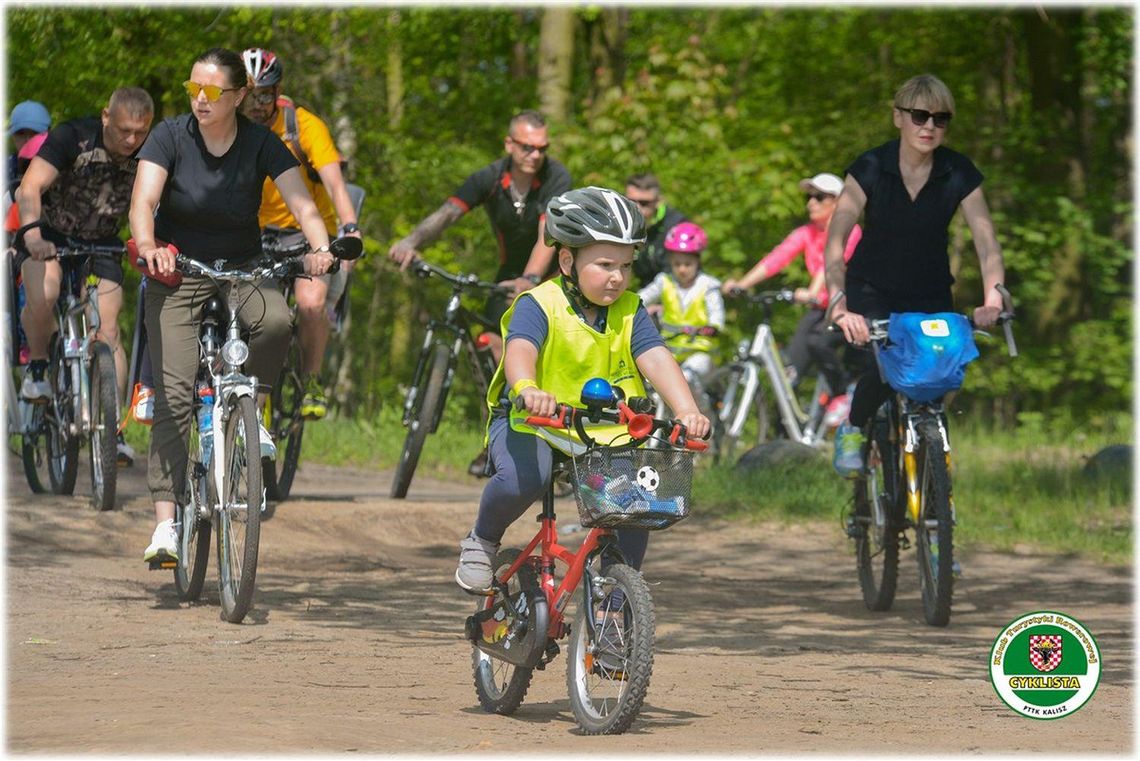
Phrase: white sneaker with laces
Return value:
(268, 448)
(34, 390)
(144, 405)
(163, 542)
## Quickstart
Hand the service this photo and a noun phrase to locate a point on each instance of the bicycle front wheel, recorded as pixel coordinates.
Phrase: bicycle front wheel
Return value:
(284, 421)
(62, 444)
(611, 654)
(237, 521)
(104, 426)
(935, 528)
(876, 526)
(726, 388)
(34, 446)
(501, 686)
(430, 396)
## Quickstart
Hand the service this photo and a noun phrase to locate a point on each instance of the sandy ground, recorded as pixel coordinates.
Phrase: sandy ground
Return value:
(355, 640)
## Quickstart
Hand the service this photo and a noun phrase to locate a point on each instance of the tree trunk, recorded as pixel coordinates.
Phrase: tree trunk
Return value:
(555, 55)
(395, 72)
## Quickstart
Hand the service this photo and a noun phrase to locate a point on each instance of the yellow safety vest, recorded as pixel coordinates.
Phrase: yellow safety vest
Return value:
(572, 354)
(697, 315)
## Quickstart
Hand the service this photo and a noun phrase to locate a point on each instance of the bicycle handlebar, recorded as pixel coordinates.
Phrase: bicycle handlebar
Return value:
(687, 330)
(878, 329)
(764, 297)
(634, 415)
(460, 281)
(73, 248)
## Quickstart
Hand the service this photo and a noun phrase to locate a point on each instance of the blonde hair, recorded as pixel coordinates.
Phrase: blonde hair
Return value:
(927, 88)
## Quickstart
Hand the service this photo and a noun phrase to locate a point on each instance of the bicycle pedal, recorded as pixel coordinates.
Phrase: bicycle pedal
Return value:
(163, 562)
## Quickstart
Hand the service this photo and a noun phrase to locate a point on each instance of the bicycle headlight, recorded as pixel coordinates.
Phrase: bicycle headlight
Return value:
(235, 352)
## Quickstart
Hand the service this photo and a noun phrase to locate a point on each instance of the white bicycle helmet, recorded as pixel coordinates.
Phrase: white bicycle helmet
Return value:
(593, 215)
(263, 66)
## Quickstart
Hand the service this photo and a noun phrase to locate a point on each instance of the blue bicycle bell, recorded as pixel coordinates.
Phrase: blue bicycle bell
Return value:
(597, 392)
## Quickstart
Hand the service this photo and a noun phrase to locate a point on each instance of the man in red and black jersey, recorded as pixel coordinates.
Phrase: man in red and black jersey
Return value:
(80, 185)
(514, 190)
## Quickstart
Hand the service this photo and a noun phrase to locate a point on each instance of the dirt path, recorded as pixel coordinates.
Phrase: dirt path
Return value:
(355, 642)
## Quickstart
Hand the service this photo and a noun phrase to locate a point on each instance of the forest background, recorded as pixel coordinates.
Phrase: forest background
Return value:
(730, 107)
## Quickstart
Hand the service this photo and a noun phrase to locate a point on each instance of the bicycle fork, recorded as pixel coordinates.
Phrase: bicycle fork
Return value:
(912, 469)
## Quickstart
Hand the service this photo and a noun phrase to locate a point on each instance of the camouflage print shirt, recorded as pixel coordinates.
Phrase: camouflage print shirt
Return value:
(93, 191)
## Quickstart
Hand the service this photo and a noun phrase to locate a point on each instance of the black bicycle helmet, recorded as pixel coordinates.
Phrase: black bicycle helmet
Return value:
(263, 67)
(593, 215)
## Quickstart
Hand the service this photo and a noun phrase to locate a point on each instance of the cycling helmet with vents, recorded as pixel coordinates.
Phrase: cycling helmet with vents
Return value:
(583, 216)
(263, 66)
(686, 238)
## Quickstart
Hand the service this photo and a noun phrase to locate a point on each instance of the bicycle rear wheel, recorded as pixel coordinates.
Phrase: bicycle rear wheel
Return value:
(876, 526)
(237, 522)
(285, 423)
(611, 654)
(62, 444)
(33, 446)
(104, 426)
(501, 686)
(430, 396)
(935, 530)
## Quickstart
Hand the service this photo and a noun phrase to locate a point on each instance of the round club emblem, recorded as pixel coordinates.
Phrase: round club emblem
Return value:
(1045, 665)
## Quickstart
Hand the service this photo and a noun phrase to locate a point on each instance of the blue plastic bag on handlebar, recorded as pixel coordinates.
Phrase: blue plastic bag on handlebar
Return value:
(927, 354)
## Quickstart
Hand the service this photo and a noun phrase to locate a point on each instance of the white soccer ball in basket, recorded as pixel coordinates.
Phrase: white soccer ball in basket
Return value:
(649, 479)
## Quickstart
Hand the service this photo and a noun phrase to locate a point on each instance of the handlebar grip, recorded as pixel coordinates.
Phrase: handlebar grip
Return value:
(641, 404)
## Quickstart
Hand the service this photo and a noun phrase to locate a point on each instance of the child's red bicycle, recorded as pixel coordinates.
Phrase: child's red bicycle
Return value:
(515, 630)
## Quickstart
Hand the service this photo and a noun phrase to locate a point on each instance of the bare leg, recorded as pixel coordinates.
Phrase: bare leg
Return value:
(41, 291)
(313, 323)
(110, 296)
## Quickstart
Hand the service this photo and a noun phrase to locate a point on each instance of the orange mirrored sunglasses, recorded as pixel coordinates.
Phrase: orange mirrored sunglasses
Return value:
(213, 92)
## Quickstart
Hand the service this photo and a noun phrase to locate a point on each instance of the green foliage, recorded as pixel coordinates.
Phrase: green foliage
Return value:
(729, 106)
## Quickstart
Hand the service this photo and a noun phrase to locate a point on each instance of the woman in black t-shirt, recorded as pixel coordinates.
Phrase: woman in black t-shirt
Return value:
(910, 189)
(198, 187)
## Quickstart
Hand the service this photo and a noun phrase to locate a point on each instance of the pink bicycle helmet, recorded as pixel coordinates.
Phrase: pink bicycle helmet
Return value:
(686, 238)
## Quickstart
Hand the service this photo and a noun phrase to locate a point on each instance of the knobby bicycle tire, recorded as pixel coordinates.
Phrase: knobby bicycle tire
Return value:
(501, 686)
(63, 446)
(288, 429)
(240, 509)
(877, 545)
(104, 427)
(935, 531)
(193, 532)
(589, 682)
(34, 448)
(429, 398)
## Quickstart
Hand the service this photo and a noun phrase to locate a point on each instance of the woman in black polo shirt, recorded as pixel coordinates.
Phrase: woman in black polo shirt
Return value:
(207, 168)
(910, 189)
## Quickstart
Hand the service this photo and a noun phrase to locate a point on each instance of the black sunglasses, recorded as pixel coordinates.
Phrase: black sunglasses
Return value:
(918, 117)
(646, 203)
(528, 148)
(821, 197)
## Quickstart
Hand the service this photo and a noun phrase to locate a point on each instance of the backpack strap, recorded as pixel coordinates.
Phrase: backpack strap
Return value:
(292, 136)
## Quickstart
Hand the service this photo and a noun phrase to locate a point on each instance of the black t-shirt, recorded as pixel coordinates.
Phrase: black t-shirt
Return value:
(651, 258)
(209, 204)
(904, 245)
(93, 190)
(517, 233)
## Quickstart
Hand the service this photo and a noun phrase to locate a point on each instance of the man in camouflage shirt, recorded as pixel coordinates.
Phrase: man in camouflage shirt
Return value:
(79, 184)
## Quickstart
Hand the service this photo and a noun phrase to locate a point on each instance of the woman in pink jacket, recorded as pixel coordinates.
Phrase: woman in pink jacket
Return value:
(811, 342)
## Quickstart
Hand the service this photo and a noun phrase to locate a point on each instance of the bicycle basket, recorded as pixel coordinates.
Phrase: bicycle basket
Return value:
(928, 353)
(632, 488)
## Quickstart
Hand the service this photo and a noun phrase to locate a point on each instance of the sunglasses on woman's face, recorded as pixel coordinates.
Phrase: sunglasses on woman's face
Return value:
(918, 117)
(213, 92)
(817, 196)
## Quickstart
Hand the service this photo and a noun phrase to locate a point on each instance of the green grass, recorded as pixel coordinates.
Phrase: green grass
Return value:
(1019, 488)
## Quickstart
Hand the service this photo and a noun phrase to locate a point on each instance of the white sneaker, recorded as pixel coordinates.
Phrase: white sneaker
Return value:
(163, 542)
(33, 390)
(268, 448)
(144, 404)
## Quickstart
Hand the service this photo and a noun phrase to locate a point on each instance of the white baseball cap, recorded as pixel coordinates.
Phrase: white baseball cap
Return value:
(825, 182)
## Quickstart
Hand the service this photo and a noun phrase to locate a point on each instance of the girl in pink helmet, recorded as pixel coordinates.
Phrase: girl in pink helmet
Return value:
(687, 301)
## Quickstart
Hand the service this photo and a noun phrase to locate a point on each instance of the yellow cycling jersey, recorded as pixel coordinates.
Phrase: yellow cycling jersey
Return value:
(317, 143)
(572, 354)
(697, 315)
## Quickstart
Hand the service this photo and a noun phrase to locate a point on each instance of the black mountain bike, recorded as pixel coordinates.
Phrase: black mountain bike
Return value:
(435, 369)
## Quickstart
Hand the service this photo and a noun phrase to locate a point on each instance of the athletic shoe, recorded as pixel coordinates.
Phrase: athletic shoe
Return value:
(35, 387)
(163, 543)
(476, 571)
(126, 453)
(142, 404)
(315, 405)
(268, 448)
(478, 466)
(849, 442)
(838, 408)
